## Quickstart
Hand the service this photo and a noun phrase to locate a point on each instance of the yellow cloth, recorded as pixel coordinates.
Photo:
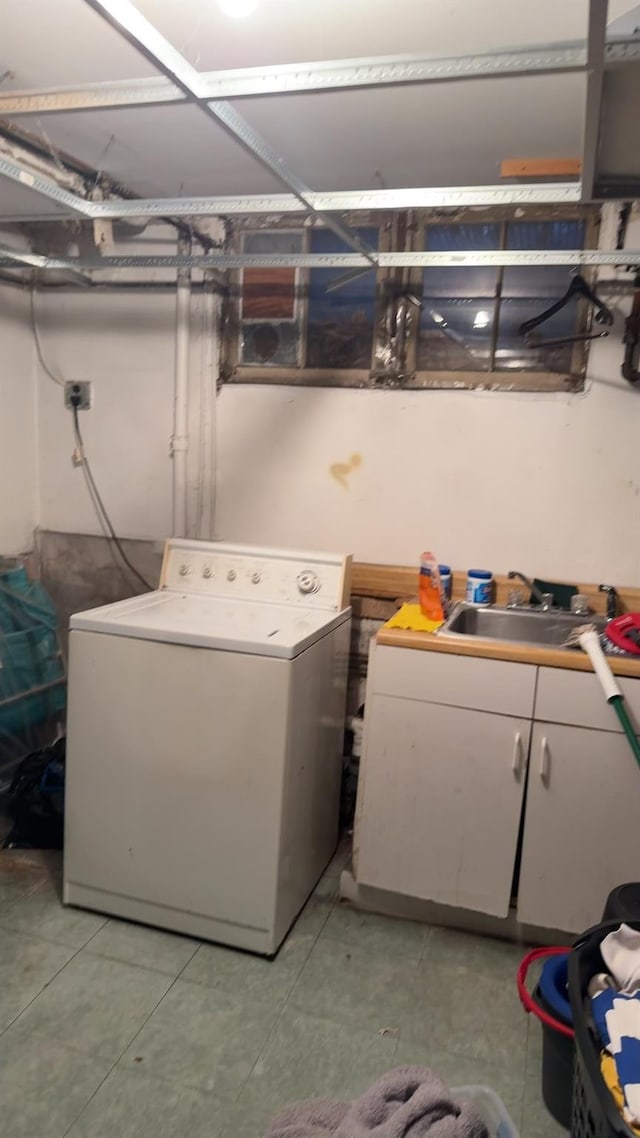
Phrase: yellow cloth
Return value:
(410, 616)
(609, 1073)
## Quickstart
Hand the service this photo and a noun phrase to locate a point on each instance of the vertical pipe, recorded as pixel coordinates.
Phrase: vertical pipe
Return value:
(179, 439)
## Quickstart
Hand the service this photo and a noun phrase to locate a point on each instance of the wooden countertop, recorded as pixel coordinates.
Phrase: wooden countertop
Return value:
(574, 659)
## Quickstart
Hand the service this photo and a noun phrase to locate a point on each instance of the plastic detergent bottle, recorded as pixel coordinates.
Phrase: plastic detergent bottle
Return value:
(429, 588)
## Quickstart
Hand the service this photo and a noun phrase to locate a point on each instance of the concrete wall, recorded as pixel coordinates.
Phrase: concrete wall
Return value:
(546, 483)
(18, 457)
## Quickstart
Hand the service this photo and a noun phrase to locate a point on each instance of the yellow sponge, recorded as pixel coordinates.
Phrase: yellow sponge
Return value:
(410, 617)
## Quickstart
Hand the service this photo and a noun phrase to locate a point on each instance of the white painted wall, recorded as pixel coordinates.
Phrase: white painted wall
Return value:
(549, 484)
(124, 344)
(17, 425)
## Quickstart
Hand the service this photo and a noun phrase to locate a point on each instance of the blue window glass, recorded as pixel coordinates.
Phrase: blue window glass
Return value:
(340, 323)
(527, 291)
(458, 314)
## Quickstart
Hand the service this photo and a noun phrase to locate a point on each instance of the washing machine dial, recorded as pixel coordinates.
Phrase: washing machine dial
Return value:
(308, 582)
(207, 572)
(256, 577)
(185, 570)
(231, 575)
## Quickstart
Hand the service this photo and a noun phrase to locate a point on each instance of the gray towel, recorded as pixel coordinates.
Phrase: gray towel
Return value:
(408, 1102)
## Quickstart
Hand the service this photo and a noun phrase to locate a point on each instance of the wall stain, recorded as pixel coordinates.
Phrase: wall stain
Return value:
(341, 470)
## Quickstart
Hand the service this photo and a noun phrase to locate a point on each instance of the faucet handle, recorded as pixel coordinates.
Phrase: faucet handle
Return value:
(612, 599)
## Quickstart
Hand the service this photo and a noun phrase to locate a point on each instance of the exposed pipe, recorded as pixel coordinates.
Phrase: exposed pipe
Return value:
(179, 439)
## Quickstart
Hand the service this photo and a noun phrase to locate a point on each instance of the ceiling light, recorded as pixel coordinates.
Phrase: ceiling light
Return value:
(437, 318)
(481, 319)
(237, 9)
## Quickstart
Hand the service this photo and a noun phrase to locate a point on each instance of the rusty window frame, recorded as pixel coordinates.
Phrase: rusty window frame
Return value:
(410, 227)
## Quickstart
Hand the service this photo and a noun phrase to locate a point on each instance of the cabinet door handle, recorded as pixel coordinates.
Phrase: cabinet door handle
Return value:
(545, 761)
(518, 755)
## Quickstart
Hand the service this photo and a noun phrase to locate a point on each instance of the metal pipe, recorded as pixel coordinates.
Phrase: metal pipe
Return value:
(179, 439)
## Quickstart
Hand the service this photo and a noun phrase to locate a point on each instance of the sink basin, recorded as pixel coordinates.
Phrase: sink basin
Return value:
(522, 625)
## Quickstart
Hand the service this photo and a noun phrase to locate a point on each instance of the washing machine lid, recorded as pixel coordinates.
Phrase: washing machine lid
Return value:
(258, 628)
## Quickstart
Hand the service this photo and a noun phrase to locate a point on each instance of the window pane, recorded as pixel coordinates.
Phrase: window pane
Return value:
(270, 327)
(456, 322)
(527, 291)
(340, 323)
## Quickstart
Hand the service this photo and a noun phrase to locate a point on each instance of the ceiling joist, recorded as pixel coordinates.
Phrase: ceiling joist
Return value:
(129, 21)
(322, 75)
(570, 258)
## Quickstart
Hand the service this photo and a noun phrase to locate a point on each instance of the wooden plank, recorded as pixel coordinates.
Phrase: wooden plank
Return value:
(268, 294)
(540, 168)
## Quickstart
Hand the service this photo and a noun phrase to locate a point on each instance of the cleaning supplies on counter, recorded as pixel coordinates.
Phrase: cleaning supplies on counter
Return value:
(445, 580)
(430, 593)
(479, 585)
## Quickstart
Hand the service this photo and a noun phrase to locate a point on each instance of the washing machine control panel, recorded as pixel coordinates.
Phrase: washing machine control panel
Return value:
(219, 569)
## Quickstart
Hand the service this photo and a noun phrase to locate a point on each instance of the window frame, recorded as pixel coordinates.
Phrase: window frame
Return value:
(403, 229)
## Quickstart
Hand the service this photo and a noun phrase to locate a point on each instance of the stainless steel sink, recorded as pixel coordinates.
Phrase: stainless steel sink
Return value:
(519, 625)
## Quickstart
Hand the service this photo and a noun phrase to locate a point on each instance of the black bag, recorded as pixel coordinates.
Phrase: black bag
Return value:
(35, 801)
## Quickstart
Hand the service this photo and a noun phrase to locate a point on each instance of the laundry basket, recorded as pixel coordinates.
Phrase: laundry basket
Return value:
(491, 1109)
(595, 1114)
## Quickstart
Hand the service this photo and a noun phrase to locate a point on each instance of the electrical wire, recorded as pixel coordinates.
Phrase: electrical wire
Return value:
(100, 506)
(36, 336)
(94, 493)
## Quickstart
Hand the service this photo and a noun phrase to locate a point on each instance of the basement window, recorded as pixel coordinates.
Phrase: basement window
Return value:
(329, 327)
(471, 317)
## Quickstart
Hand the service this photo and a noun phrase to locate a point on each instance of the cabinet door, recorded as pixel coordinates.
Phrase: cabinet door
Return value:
(441, 802)
(581, 832)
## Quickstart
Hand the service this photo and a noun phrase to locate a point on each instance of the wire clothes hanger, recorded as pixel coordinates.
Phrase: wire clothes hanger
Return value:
(578, 288)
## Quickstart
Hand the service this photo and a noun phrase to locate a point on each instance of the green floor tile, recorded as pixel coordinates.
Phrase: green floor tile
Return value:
(349, 984)
(27, 964)
(268, 982)
(308, 1057)
(96, 1006)
(468, 1013)
(147, 947)
(22, 871)
(43, 1085)
(387, 936)
(130, 1104)
(482, 954)
(201, 1037)
(244, 1119)
(43, 914)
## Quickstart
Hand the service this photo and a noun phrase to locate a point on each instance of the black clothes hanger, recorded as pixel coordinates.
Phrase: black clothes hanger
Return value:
(578, 287)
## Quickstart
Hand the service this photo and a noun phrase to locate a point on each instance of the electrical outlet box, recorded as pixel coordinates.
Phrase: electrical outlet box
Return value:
(78, 389)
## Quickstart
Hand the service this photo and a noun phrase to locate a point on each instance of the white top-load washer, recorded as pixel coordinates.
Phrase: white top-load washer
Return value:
(204, 742)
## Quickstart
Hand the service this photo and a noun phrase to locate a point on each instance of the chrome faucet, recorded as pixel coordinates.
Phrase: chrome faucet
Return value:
(543, 599)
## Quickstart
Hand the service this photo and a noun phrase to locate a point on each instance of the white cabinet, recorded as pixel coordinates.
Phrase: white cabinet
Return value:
(443, 787)
(581, 832)
(442, 798)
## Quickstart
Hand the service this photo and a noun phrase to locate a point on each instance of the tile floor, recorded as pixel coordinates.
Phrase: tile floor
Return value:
(112, 1030)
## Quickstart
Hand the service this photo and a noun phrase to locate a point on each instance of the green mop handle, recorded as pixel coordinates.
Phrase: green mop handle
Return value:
(590, 642)
(618, 704)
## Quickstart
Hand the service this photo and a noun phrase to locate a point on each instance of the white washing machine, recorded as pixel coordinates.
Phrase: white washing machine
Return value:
(204, 749)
